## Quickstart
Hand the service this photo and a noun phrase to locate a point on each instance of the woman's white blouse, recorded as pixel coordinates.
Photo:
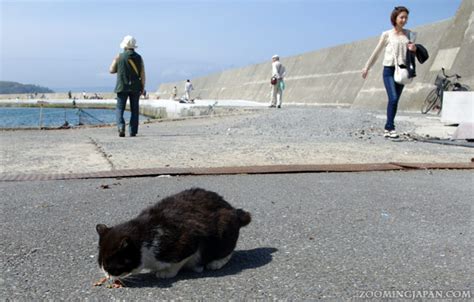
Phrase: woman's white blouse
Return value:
(395, 47)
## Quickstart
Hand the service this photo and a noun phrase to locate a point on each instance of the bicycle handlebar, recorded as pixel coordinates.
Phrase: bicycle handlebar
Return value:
(450, 76)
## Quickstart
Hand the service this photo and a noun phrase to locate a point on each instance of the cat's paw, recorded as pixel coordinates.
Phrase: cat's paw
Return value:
(166, 274)
(217, 264)
(198, 269)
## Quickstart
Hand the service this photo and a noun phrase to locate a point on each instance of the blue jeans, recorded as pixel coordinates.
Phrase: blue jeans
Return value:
(120, 108)
(394, 91)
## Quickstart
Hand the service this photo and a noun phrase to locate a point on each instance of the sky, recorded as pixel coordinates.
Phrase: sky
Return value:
(69, 44)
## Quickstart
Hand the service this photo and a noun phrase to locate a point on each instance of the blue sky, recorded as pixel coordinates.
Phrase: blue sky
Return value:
(69, 44)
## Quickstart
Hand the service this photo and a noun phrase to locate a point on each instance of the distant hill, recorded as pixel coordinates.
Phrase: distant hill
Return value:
(14, 87)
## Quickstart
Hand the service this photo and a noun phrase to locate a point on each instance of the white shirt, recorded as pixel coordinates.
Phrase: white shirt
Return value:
(395, 46)
(278, 70)
(188, 86)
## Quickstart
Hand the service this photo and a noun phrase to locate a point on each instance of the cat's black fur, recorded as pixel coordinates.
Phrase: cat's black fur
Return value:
(194, 229)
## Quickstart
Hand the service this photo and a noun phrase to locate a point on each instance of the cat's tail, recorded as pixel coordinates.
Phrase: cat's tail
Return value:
(244, 217)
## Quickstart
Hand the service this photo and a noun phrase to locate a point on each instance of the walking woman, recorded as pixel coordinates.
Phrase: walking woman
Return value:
(396, 43)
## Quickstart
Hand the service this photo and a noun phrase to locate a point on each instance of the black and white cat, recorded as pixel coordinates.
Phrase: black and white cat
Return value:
(192, 229)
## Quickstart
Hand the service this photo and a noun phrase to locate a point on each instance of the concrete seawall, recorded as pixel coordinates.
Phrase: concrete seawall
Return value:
(333, 75)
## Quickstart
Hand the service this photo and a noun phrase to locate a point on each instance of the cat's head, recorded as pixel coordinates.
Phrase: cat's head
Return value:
(118, 254)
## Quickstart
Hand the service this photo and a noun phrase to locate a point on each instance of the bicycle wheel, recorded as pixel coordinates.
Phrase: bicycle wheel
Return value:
(430, 101)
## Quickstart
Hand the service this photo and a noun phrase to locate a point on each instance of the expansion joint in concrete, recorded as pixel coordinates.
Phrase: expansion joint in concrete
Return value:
(104, 154)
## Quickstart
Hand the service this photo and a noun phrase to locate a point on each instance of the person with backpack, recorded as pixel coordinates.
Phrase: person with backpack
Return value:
(130, 71)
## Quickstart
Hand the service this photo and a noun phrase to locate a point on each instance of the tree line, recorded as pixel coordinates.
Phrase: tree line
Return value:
(16, 88)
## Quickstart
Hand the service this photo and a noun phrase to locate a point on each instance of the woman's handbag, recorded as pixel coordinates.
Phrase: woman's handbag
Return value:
(401, 75)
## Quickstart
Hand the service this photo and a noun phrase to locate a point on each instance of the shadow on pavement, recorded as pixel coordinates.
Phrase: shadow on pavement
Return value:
(241, 260)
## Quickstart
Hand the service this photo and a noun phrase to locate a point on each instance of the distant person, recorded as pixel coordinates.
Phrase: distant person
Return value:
(278, 73)
(84, 95)
(69, 94)
(130, 71)
(188, 87)
(396, 43)
(174, 94)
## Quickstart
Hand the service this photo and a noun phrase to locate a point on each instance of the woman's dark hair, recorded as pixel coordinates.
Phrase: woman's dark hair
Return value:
(397, 11)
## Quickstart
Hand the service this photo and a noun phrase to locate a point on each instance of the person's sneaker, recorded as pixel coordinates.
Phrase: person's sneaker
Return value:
(279, 106)
(386, 133)
(393, 134)
(121, 133)
(133, 134)
(271, 106)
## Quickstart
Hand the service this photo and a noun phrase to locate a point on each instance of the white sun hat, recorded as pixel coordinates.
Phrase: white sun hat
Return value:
(276, 57)
(128, 42)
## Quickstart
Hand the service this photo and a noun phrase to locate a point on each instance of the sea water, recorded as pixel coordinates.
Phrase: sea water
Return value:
(21, 117)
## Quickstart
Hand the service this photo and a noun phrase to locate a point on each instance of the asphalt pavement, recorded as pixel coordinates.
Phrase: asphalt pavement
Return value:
(313, 236)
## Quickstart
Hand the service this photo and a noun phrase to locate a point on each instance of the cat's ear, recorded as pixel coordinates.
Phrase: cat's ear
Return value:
(101, 229)
(125, 242)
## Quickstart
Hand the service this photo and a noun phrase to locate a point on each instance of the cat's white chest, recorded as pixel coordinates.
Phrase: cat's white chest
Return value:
(149, 261)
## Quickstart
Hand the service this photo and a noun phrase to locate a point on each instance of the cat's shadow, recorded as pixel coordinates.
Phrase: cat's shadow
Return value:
(241, 260)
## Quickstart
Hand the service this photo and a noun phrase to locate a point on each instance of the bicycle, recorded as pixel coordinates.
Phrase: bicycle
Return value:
(434, 100)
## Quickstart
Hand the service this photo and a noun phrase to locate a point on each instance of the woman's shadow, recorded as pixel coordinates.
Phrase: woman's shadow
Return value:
(241, 260)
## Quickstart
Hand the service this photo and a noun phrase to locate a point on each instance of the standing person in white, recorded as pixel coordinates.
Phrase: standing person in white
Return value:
(278, 72)
(187, 88)
(175, 93)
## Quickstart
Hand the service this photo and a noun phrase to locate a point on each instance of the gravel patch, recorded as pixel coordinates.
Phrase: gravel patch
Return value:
(291, 135)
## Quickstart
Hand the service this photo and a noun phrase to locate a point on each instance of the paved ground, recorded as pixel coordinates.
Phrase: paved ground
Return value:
(312, 236)
(292, 135)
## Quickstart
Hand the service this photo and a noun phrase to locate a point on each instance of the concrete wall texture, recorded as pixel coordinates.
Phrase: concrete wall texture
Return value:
(333, 75)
